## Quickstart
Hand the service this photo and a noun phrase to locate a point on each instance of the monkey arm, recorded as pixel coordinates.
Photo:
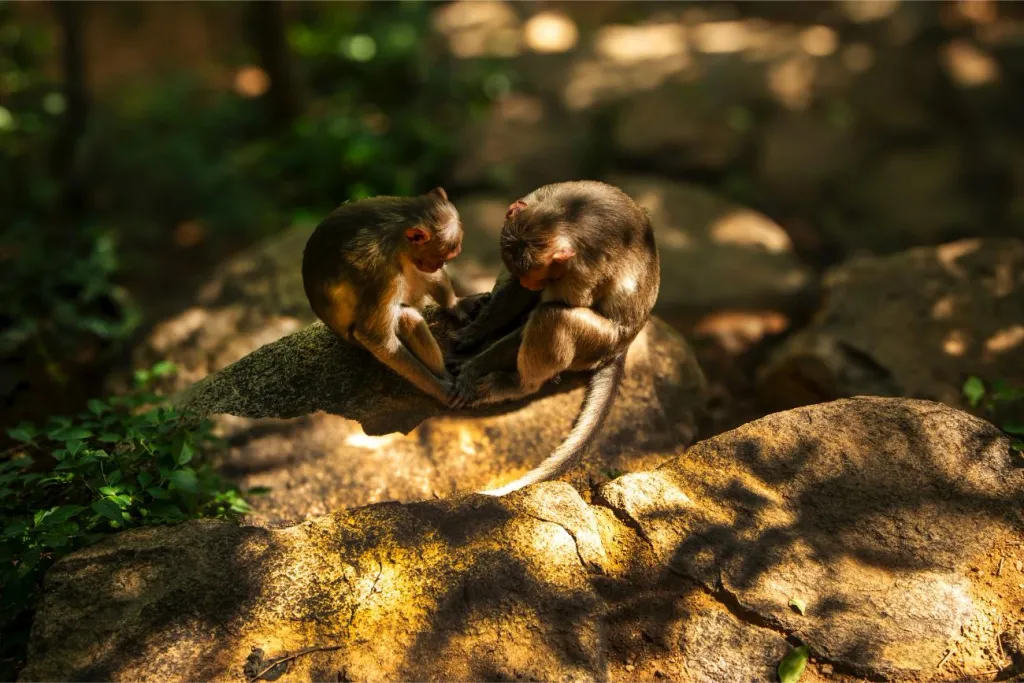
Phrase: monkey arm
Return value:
(507, 303)
(391, 351)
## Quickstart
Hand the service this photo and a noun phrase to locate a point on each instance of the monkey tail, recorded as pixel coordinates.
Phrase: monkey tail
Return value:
(597, 403)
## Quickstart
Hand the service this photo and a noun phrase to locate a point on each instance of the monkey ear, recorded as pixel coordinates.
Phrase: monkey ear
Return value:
(417, 235)
(515, 208)
(439, 192)
(562, 254)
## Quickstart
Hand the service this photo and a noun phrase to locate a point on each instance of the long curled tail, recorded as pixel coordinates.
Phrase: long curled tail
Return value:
(597, 403)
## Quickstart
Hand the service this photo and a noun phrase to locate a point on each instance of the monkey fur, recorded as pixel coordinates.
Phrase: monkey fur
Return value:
(582, 270)
(367, 269)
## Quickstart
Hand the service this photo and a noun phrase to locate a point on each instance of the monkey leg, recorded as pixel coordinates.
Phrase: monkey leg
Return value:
(554, 340)
(414, 333)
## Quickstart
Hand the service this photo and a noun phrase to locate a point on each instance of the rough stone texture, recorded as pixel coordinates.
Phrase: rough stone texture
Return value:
(312, 370)
(520, 145)
(913, 324)
(679, 127)
(932, 204)
(715, 254)
(877, 512)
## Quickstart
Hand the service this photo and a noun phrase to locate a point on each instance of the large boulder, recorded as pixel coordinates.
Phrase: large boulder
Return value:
(894, 523)
(717, 255)
(915, 324)
(427, 450)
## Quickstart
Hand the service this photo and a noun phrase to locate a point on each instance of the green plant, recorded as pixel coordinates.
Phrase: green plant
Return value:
(1003, 402)
(127, 461)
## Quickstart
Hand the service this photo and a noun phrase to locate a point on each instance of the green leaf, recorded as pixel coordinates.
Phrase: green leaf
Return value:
(1015, 428)
(1018, 446)
(184, 480)
(791, 668)
(109, 437)
(107, 490)
(163, 368)
(16, 528)
(73, 446)
(97, 407)
(23, 432)
(798, 604)
(183, 451)
(109, 509)
(61, 514)
(974, 390)
(144, 478)
(258, 491)
(142, 376)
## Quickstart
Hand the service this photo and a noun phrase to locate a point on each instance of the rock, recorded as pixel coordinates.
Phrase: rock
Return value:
(312, 370)
(914, 324)
(869, 509)
(680, 128)
(803, 153)
(912, 197)
(520, 144)
(716, 255)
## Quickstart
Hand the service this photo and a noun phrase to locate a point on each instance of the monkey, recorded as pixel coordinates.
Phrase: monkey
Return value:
(582, 265)
(367, 269)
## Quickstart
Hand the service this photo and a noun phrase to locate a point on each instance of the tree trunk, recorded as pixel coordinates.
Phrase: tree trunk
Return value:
(63, 161)
(267, 26)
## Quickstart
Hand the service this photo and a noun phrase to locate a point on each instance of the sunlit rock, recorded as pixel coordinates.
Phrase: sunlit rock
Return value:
(715, 254)
(884, 517)
(916, 324)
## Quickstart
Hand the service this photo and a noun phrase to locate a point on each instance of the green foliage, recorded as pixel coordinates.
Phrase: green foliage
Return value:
(127, 461)
(792, 666)
(1002, 402)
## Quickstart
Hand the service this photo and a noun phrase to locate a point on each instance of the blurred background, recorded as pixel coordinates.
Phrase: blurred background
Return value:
(144, 144)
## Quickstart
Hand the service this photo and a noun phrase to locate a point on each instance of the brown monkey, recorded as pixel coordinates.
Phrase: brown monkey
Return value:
(582, 255)
(367, 269)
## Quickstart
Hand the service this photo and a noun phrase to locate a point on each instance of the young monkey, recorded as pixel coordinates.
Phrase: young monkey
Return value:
(367, 269)
(583, 255)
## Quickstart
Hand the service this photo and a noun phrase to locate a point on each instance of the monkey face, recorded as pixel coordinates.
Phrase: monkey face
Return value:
(430, 250)
(533, 248)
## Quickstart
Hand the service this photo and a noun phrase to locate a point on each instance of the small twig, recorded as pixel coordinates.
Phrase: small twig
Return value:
(999, 572)
(288, 658)
(944, 658)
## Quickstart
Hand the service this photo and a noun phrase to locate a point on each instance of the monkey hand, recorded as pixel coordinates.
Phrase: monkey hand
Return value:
(466, 393)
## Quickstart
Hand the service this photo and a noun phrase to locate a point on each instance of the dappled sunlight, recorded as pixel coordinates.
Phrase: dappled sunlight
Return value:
(1005, 339)
(864, 11)
(791, 82)
(627, 59)
(968, 65)
(738, 331)
(359, 439)
(721, 37)
(251, 81)
(744, 227)
(948, 254)
(632, 44)
(944, 307)
(550, 32)
(479, 28)
(819, 41)
(955, 343)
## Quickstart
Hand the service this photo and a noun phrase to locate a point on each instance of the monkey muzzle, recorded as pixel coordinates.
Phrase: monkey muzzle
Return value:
(533, 284)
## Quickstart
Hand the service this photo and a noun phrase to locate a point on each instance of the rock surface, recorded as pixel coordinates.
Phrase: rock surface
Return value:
(424, 449)
(881, 514)
(715, 254)
(914, 324)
